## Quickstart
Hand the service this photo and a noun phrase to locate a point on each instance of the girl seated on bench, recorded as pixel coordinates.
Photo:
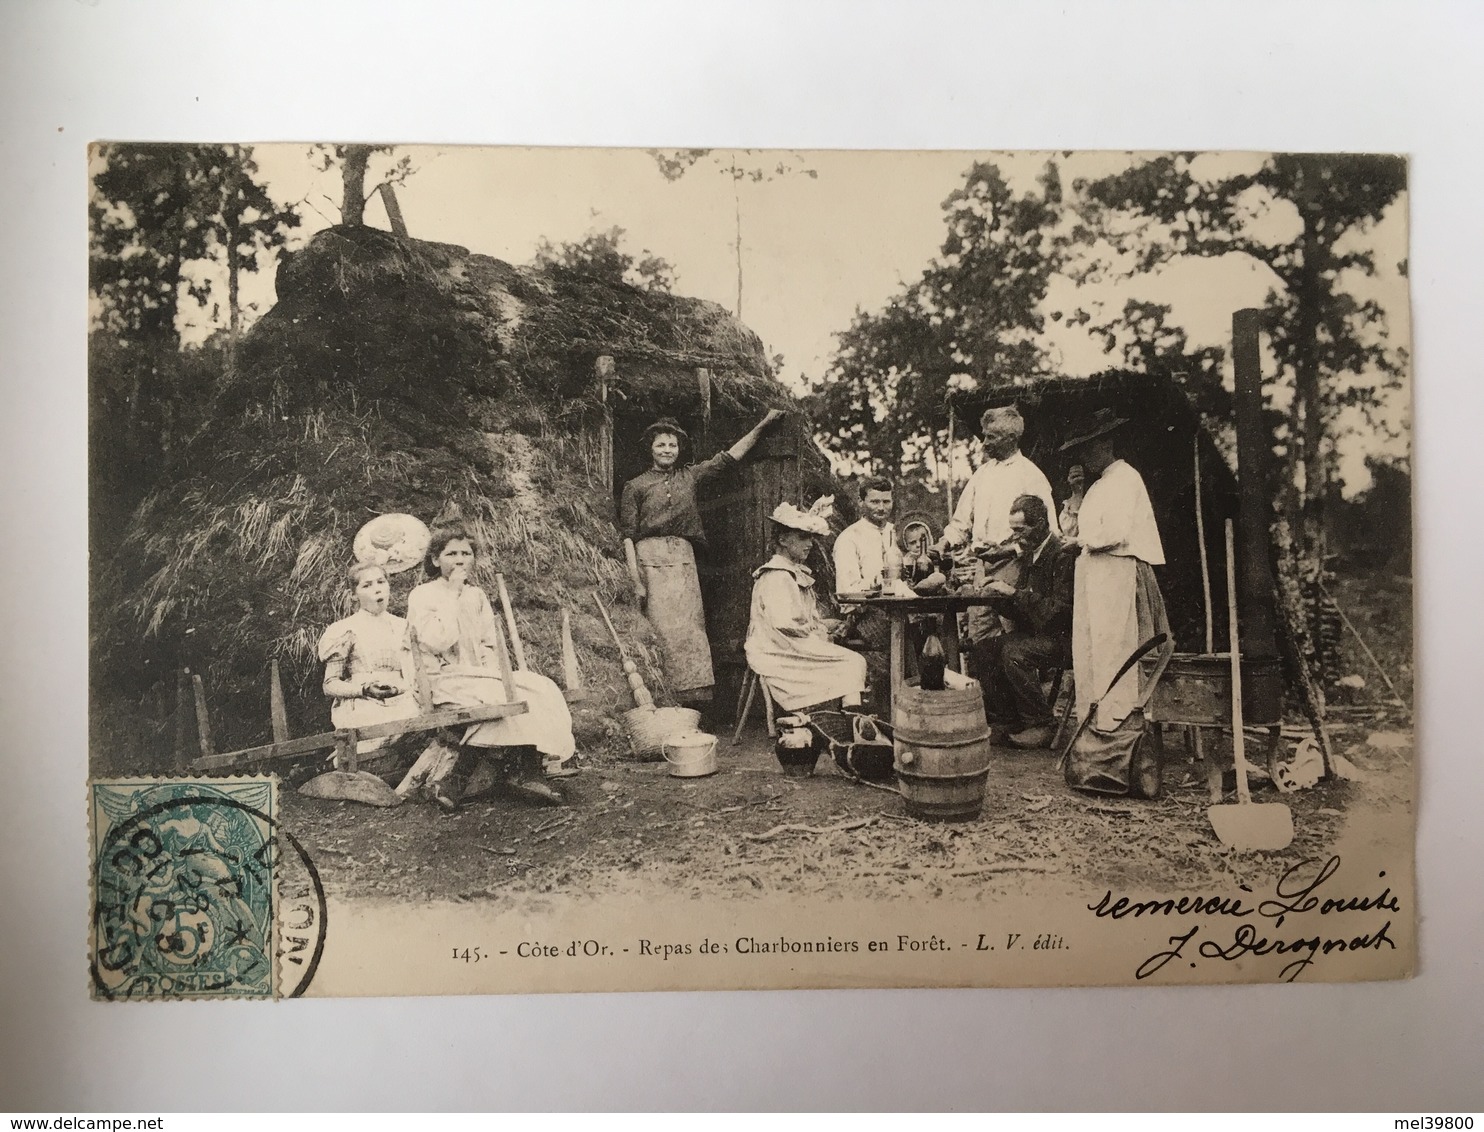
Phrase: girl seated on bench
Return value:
(459, 641)
(368, 659)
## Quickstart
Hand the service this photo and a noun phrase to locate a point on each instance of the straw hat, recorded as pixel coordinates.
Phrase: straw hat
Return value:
(787, 515)
(1099, 424)
(395, 542)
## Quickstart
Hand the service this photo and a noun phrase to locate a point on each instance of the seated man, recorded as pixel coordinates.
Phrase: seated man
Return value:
(1039, 611)
(860, 555)
(788, 643)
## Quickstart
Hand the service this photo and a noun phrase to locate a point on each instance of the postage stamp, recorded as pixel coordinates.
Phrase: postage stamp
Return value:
(184, 894)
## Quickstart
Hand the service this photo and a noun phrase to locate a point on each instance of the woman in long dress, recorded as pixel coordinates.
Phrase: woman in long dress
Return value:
(789, 644)
(1116, 603)
(661, 527)
(369, 672)
(458, 639)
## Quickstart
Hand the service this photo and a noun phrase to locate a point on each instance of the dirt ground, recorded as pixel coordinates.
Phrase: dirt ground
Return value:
(632, 825)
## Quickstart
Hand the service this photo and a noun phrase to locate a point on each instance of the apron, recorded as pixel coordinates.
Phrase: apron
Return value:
(668, 566)
(1117, 606)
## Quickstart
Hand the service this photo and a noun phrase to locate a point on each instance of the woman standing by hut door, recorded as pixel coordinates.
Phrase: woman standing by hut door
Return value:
(661, 527)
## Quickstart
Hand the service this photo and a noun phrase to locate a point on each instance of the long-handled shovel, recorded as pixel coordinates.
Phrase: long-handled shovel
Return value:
(1248, 824)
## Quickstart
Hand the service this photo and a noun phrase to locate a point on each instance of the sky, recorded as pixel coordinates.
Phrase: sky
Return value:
(815, 248)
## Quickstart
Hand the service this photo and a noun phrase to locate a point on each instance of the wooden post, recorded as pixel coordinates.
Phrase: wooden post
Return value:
(422, 686)
(1254, 447)
(347, 755)
(182, 718)
(515, 642)
(393, 210)
(1200, 534)
(605, 372)
(948, 485)
(276, 710)
(203, 723)
(571, 673)
(503, 656)
(703, 383)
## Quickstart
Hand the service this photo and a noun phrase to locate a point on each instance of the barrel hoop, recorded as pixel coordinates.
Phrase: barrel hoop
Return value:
(935, 741)
(942, 779)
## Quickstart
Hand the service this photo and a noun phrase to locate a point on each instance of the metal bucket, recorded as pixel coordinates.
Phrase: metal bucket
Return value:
(942, 752)
(691, 754)
(1197, 689)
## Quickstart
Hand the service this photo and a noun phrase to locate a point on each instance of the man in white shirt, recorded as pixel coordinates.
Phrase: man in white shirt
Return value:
(982, 517)
(860, 554)
(1116, 603)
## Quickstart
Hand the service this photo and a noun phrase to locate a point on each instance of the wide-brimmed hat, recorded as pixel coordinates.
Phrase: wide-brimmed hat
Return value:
(395, 542)
(796, 518)
(1099, 424)
(665, 424)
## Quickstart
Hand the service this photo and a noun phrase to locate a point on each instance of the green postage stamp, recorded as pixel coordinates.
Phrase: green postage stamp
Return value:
(184, 899)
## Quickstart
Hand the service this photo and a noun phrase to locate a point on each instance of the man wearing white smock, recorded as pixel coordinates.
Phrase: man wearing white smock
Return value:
(860, 557)
(789, 644)
(1116, 603)
(982, 516)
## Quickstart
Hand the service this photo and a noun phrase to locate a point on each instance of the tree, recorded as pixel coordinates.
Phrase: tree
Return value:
(156, 212)
(973, 317)
(1331, 344)
(673, 164)
(355, 165)
(601, 255)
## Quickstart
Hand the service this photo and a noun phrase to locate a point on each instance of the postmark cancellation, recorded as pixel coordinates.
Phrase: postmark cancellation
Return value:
(184, 888)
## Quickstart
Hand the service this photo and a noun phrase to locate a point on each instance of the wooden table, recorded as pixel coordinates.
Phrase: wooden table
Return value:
(900, 609)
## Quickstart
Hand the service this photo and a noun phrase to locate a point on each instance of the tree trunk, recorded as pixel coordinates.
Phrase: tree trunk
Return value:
(1308, 387)
(234, 307)
(353, 162)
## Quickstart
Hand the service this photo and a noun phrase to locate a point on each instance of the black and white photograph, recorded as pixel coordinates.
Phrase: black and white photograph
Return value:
(638, 569)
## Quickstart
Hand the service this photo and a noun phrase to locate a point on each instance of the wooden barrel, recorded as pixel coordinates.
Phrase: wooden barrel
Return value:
(942, 748)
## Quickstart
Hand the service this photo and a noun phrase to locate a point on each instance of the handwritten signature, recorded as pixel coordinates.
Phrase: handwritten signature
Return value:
(1296, 893)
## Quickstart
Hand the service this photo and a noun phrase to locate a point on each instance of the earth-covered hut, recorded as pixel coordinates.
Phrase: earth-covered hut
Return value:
(396, 375)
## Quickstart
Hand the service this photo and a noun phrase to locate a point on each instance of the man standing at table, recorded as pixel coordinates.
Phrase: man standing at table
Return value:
(860, 555)
(982, 517)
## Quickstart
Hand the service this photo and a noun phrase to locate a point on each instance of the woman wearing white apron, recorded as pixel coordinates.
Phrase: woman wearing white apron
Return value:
(1117, 605)
(661, 527)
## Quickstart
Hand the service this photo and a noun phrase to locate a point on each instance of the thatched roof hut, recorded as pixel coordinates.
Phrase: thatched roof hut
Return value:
(400, 375)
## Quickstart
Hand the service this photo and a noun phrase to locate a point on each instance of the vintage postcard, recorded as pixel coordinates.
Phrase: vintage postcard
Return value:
(550, 570)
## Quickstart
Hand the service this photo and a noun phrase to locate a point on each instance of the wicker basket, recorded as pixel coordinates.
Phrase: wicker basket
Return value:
(649, 727)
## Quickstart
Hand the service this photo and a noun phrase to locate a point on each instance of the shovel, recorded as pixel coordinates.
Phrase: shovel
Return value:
(1248, 824)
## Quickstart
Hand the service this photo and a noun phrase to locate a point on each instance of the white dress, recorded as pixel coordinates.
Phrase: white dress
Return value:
(456, 635)
(787, 644)
(362, 648)
(1116, 605)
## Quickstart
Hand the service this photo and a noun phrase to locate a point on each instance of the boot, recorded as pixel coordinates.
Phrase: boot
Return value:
(524, 778)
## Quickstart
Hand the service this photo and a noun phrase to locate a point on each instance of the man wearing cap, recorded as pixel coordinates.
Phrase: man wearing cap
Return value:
(789, 644)
(1116, 603)
(982, 516)
(661, 526)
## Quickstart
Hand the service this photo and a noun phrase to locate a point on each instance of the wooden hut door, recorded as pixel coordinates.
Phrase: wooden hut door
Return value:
(737, 530)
